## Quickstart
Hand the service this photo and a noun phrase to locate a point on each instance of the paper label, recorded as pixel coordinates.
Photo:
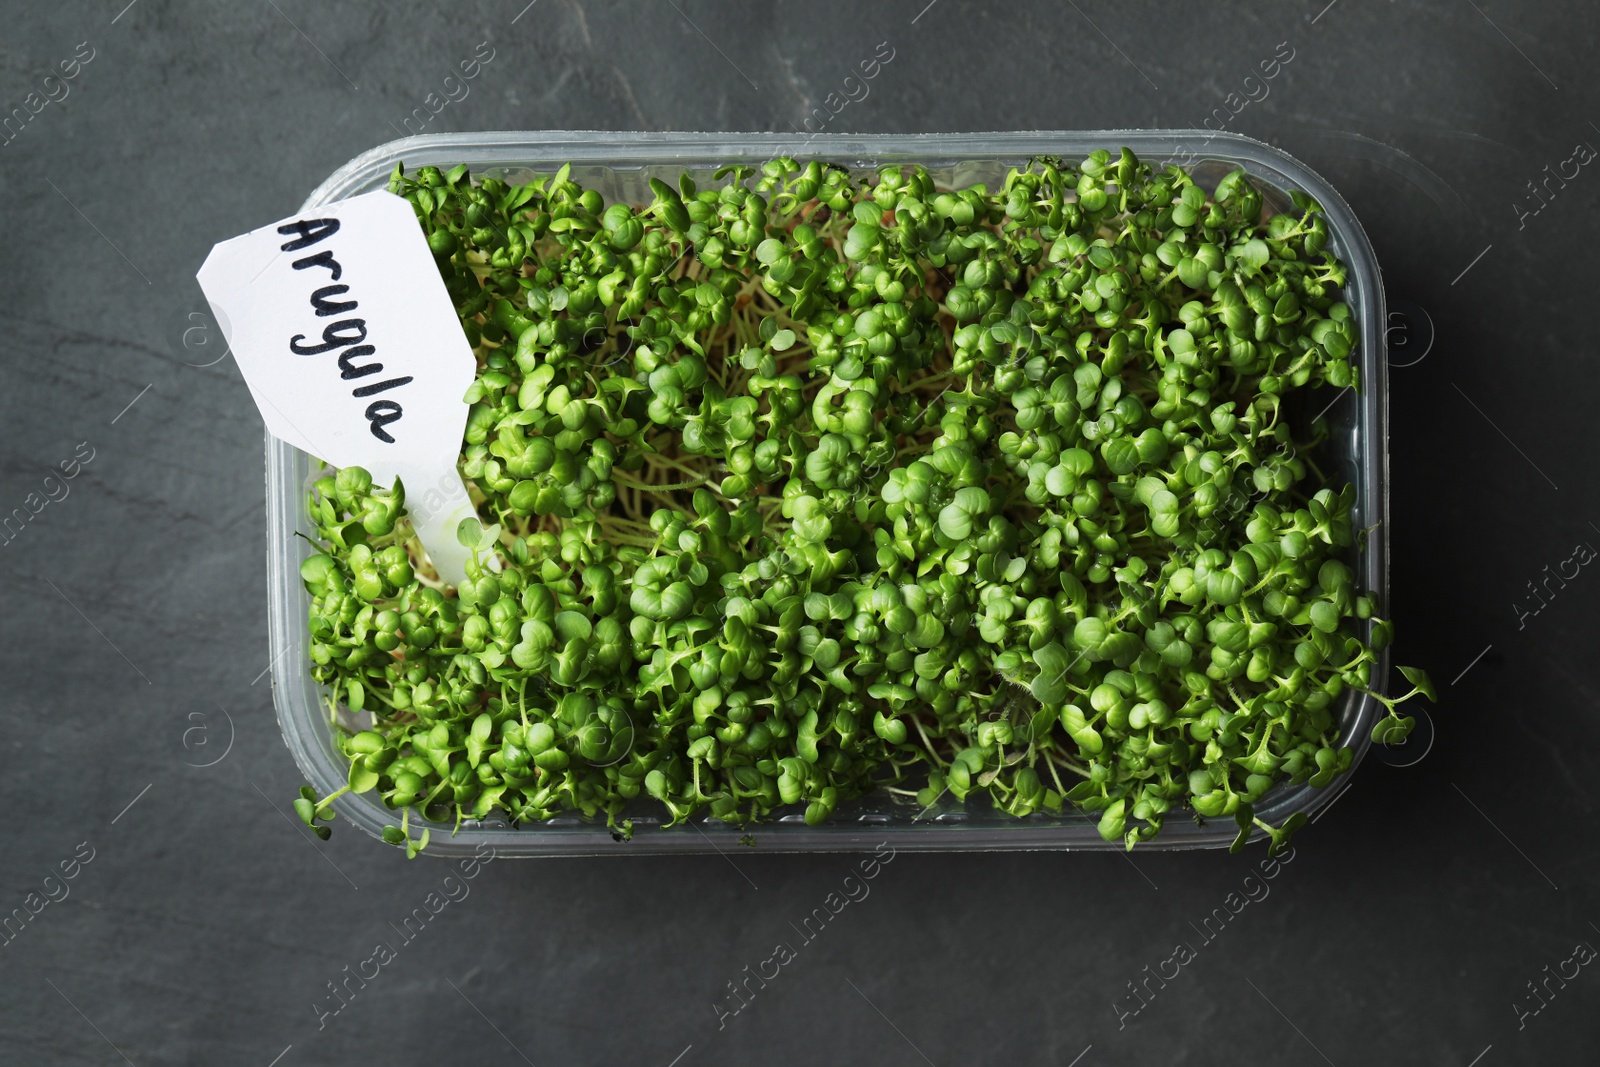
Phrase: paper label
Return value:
(351, 347)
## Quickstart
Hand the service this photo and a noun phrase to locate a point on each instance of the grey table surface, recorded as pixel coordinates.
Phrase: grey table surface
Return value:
(202, 926)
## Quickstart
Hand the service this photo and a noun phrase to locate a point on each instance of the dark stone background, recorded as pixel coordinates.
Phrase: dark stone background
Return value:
(205, 928)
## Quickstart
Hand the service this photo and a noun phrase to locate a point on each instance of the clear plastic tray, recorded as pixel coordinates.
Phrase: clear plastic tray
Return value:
(618, 165)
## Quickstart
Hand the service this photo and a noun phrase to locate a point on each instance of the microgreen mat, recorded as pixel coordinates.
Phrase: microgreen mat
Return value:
(807, 483)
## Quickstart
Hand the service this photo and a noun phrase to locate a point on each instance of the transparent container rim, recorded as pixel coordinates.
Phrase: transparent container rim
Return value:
(306, 730)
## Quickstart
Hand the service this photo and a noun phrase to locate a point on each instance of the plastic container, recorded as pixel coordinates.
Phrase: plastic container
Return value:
(618, 165)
